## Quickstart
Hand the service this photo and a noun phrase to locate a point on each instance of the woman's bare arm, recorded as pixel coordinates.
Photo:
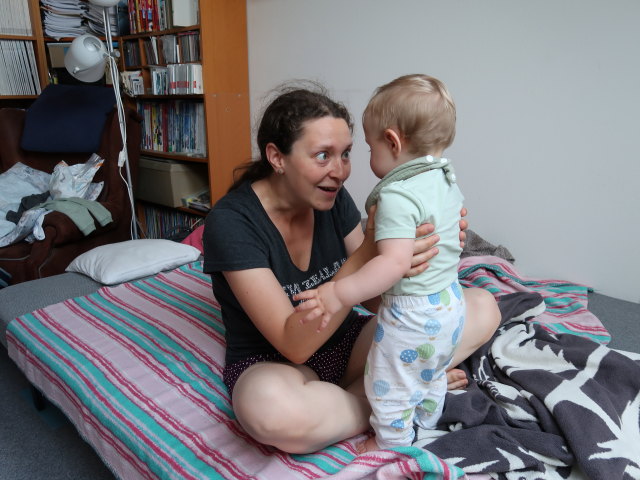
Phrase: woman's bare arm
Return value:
(375, 277)
(262, 298)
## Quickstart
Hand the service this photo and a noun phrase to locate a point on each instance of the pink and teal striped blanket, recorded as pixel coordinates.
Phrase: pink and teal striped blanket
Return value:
(137, 368)
(565, 302)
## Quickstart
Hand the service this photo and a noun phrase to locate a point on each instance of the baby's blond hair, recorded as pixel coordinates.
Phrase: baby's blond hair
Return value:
(419, 107)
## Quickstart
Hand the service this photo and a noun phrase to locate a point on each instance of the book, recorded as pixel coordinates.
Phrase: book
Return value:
(159, 80)
(132, 82)
(170, 48)
(185, 78)
(199, 201)
(184, 13)
(179, 123)
(132, 53)
(189, 45)
(123, 26)
(10, 71)
(15, 18)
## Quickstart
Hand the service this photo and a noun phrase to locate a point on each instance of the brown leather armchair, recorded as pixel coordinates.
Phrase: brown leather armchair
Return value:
(63, 240)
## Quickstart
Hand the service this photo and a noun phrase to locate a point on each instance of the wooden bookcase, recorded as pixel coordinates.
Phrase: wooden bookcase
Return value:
(37, 41)
(225, 80)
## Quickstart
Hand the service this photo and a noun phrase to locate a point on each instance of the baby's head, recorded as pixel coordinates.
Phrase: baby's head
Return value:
(419, 108)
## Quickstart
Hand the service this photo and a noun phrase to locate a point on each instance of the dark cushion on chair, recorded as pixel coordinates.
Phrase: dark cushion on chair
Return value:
(85, 109)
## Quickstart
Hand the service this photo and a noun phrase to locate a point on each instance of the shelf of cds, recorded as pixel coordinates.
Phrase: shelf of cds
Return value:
(23, 69)
(168, 223)
(163, 63)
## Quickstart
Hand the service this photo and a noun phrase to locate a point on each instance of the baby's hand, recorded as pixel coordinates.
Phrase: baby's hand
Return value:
(321, 303)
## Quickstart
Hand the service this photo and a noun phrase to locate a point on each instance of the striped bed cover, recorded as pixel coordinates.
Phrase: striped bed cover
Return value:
(565, 302)
(137, 368)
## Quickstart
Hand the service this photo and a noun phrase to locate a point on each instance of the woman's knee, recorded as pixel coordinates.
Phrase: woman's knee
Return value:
(269, 411)
(483, 310)
(482, 320)
(267, 419)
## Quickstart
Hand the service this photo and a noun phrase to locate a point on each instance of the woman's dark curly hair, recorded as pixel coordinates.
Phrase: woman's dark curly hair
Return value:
(282, 124)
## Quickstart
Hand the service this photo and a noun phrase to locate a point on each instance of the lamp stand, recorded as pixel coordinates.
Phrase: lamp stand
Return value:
(123, 157)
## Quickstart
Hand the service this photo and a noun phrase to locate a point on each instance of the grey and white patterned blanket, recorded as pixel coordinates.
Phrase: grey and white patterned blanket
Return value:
(542, 406)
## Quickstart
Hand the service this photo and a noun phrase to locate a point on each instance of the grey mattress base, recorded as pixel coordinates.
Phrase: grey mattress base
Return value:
(26, 297)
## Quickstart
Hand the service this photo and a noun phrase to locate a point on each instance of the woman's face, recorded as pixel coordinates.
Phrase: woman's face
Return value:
(319, 162)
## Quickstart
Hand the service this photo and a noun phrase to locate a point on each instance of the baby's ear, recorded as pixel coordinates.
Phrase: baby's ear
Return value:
(393, 139)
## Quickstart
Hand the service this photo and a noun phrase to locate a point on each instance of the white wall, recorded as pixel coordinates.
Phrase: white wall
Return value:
(548, 99)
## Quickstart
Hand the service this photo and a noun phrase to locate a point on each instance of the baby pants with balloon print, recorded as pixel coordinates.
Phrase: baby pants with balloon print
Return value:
(405, 376)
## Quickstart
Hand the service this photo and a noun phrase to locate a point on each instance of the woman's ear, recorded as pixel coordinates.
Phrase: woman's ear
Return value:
(393, 141)
(275, 157)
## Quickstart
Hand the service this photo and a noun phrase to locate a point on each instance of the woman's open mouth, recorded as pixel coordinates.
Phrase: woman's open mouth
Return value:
(329, 189)
(329, 193)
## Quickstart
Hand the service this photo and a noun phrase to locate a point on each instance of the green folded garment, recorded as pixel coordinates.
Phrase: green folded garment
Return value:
(81, 212)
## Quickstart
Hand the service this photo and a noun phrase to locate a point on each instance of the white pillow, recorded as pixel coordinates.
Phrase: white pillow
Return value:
(125, 261)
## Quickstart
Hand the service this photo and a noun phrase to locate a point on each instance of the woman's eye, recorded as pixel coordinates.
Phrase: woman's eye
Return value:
(346, 155)
(322, 156)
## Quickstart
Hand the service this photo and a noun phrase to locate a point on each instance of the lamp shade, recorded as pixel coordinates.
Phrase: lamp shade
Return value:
(104, 3)
(86, 58)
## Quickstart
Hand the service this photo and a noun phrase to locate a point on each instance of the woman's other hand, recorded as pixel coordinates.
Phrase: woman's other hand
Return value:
(424, 249)
(463, 226)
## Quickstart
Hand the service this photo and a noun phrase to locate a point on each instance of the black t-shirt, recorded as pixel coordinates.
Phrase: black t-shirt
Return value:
(239, 235)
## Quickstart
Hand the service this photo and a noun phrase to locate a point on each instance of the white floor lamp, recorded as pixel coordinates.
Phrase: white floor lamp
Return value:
(86, 60)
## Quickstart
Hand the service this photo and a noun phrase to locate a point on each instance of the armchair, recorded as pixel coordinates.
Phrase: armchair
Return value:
(63, 240)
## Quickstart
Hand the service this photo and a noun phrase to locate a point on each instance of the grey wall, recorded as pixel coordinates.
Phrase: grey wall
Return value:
(548, 105)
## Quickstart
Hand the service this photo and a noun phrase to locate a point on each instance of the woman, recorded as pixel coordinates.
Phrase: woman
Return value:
(285, 226)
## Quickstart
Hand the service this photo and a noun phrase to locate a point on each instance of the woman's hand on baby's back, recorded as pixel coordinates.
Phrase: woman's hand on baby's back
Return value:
(424, 249)
(425, 246)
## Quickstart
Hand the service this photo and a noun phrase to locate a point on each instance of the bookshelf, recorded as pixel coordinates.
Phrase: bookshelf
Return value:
(211, 127)
(23, 61)
(218, 134)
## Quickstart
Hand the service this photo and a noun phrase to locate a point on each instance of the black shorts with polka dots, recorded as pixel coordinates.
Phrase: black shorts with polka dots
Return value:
(329, 364)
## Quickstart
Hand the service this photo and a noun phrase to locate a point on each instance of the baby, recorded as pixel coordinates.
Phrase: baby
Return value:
(408, 124)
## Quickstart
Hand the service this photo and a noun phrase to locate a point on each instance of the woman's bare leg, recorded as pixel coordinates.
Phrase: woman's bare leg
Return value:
(287, 406)
(481, 322)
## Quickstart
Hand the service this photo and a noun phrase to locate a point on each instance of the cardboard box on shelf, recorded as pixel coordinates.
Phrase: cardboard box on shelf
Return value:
(166, 182)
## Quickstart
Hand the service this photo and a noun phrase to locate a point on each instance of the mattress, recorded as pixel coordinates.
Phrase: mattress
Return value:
(137, 369)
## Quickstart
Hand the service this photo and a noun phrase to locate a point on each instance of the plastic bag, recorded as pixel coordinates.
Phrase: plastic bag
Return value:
(73, 180)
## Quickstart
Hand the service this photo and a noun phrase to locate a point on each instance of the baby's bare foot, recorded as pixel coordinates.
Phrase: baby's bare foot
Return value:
(369, 445)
